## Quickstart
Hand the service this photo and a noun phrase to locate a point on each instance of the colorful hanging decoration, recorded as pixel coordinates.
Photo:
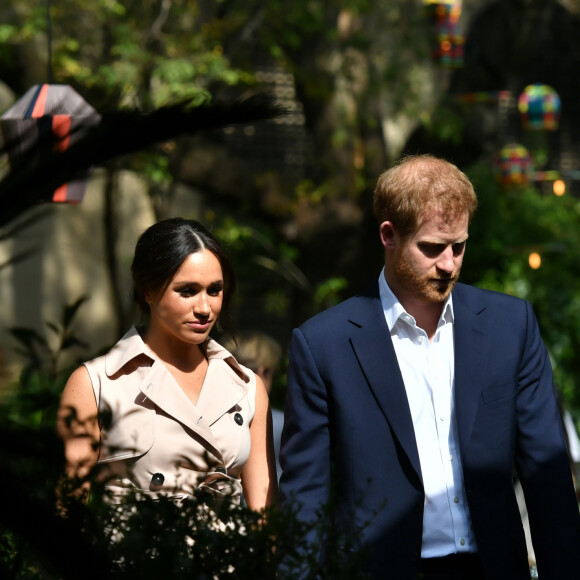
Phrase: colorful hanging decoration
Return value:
(39, 166)
(539, 107)
(513, 165)
(447, 39)
(48, 114)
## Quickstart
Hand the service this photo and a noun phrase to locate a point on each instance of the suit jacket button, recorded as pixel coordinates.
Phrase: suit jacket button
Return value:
(157, 480)
(238, 419)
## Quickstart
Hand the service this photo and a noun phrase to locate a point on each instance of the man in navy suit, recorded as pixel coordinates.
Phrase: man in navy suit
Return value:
(413, 404)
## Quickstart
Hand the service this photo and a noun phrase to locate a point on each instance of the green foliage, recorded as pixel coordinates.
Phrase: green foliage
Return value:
(154, 167)
(510, 224)
(188, 538)
(327, 293)
(444, 123)
(313, 193)
(261, 256)
(31, 459)
(40, 356)
(7, 32)
(141, 53)
(252, 245)
(42, 379)
(142, 536)
(146, 538)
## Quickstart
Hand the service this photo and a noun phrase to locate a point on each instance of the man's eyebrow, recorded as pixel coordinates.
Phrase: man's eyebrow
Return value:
(444, 242)
(434, 243)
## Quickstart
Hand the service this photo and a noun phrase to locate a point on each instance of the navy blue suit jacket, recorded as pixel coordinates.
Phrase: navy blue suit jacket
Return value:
(348, 425)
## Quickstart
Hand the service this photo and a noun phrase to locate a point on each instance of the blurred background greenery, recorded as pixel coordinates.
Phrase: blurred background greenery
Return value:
(366, 82)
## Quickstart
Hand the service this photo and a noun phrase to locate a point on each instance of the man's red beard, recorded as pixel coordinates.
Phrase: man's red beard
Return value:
(434, 288)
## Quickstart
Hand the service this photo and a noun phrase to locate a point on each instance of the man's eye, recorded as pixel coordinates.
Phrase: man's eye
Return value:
(431, 250)
(458, 248)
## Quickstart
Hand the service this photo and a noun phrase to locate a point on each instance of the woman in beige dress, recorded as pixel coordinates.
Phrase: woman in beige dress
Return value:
(168, 411)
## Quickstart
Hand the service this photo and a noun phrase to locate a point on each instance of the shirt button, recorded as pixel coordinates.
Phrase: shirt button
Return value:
(451, 458)
(462, 542)
(456, 499)
(157, 480)
(443, 418)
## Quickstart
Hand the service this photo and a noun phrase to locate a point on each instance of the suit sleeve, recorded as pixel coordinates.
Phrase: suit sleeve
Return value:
(305, 447)
(543, 464)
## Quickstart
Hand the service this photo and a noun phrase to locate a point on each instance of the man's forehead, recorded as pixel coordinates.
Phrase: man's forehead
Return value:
(442, 238)
(449, 217)
(443, 228)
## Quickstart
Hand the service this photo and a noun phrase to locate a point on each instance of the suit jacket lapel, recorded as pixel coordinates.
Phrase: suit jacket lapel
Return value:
(471, 345)
(374, 349)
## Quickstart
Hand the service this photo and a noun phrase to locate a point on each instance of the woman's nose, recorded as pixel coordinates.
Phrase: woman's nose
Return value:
(201, 305)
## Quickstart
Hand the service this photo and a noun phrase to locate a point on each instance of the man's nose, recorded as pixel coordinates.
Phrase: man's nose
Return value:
(446, 261)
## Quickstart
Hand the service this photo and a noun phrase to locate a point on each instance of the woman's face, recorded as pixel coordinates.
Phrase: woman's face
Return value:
(190, 305)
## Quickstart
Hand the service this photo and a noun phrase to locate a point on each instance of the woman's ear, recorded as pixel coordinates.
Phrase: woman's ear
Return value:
(388, 235)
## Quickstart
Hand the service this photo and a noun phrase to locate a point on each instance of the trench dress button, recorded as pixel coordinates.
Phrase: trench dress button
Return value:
(157, 479)
(238, 419)
(220, 469)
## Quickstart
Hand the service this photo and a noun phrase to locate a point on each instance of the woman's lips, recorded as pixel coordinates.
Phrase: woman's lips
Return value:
(199, 324)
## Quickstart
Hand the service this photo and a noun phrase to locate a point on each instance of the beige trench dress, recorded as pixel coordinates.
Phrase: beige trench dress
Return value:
(154, 440)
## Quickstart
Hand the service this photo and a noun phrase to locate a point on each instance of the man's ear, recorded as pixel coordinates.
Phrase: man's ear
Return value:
(388, 235)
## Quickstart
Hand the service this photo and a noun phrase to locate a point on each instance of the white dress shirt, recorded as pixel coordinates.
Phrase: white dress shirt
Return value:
(428, 373)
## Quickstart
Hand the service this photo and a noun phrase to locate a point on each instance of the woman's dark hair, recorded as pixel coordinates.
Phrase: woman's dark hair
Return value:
(162, 248)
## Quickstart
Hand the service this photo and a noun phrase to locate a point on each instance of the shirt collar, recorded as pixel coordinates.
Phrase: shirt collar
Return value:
(394, 310)
(132, 345)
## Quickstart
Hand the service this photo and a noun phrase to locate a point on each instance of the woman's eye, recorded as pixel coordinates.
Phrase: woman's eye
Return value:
(187, 291)
(215, 290)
